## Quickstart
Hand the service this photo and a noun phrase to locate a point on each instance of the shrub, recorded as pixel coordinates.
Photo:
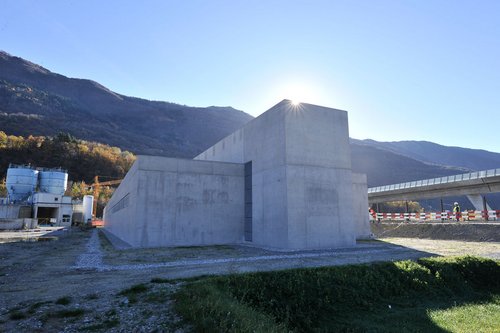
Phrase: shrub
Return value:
(304, 299)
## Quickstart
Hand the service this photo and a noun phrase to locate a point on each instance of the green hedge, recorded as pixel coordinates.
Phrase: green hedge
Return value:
(334, 297)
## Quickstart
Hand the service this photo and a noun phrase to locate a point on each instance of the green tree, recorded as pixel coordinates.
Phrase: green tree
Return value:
(83, 160)
(80, 189)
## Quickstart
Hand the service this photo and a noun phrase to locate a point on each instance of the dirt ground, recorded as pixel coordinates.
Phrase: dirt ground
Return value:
(80, 282)
(467, 231)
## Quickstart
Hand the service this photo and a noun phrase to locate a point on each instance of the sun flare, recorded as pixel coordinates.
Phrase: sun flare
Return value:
(298, 92)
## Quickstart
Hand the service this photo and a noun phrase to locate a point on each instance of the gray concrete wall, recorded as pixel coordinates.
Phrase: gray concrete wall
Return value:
(229, 149)
(304, 194)
(320, 208)
(264, 144)
(177, 202)
(261, 141)
(9, 211)
(317, 136)
(319, 178)
(360, 206)
(302, 184)
(18, 224)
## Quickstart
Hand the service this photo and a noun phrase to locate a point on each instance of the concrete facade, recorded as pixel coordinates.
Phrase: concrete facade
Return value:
(298, 192)
(171, 202)
(52, 208)
(10, 211)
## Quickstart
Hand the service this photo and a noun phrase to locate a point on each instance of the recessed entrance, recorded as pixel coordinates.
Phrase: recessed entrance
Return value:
(248, 201)
(45, 214)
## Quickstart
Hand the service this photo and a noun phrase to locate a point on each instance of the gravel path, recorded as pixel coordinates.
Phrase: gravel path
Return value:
(92, 259)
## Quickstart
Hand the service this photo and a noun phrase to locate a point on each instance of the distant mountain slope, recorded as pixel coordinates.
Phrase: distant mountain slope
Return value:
(35, 101)
(384, 167)
(472, 159)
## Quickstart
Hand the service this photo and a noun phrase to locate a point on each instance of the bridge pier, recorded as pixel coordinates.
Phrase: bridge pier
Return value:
(479, 202)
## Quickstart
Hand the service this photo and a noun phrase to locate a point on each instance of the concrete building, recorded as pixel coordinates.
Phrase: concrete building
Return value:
(35, 196)
(54, 209)
(284, 180)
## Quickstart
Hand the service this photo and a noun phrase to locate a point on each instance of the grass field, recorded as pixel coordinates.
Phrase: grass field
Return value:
(458, 294)
(479, 317)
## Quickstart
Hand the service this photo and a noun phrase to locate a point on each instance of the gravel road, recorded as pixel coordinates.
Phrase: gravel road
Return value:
(84, 267)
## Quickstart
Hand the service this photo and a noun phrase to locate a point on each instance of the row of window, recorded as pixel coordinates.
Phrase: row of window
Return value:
(120, 204)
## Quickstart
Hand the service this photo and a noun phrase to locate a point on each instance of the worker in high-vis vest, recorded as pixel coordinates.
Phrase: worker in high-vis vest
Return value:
(456, 211)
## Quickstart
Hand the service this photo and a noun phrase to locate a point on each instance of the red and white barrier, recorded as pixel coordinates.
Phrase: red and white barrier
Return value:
(471, 215)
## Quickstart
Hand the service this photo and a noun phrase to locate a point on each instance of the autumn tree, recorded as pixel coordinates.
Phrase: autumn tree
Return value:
(3, 188)
(400, 207)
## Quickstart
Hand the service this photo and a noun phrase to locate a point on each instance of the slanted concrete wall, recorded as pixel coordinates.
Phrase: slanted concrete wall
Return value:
(120, 216)
(173, 202)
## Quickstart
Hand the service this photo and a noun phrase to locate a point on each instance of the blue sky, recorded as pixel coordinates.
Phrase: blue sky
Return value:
(404, 70)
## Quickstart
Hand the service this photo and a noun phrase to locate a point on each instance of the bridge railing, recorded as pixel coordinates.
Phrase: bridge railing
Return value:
(436, 181)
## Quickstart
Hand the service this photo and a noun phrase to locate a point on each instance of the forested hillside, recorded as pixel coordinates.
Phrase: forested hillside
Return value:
(82, 159)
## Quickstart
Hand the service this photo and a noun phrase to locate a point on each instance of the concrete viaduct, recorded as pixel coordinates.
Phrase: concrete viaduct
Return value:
(473, 185)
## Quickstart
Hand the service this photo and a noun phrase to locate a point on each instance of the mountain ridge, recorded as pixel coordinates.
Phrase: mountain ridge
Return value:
(429, 152)
(36, 101)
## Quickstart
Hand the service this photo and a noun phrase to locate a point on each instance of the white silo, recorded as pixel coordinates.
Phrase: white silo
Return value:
(54, 181)
(88, 203)
(21, 182)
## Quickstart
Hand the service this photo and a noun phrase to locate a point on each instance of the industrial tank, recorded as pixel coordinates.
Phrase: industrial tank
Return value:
(88, 203)
(21, 182)
(54, 181)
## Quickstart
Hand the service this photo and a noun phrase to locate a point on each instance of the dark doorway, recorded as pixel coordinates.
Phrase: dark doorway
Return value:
(45, 214)
(248, 201)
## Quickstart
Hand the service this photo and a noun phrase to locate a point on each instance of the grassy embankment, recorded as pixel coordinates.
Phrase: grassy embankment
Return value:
(432, 295)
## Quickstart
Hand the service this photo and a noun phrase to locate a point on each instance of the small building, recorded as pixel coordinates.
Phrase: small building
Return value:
(284, 181)
(36, 194)
(54, 209)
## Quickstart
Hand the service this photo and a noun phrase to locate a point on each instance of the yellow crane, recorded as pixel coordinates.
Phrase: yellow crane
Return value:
(96, 186)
